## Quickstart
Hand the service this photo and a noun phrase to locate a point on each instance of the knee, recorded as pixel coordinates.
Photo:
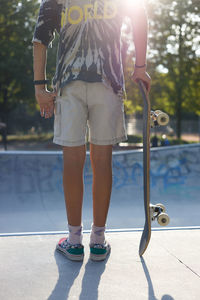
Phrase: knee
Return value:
(73, 156)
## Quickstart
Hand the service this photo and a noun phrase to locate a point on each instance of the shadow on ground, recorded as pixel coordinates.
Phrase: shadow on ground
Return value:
(69, 271)
(150, 284)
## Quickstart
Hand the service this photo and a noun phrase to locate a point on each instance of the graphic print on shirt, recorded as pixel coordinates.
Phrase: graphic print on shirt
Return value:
(76, 14)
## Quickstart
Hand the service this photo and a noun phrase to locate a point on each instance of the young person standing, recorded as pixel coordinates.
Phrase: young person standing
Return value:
(88, 89)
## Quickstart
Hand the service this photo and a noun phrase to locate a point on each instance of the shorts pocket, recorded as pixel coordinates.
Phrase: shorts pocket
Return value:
(57, 118)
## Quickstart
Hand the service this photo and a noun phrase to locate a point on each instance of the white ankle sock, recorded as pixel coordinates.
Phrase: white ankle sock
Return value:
(97, 235)
(75, 234)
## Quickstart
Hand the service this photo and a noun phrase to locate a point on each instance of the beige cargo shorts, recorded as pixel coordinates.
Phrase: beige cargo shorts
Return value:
(88, 108)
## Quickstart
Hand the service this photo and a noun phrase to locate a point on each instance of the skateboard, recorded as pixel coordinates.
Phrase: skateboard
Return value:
(152, 212)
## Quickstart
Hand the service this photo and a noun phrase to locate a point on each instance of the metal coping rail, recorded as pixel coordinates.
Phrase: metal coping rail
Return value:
(36, 152)
(120, 230)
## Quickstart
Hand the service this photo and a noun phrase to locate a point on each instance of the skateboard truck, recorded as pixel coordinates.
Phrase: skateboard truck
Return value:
(157, 212)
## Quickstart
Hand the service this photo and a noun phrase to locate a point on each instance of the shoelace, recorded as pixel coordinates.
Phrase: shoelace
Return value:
(99, 246)
(67, 244)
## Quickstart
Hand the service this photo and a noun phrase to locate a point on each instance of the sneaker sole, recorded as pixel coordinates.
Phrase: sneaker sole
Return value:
(69, 255)
(100, 257)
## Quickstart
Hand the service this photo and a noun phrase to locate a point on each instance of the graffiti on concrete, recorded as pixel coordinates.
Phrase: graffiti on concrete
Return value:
(30, 173)
(168, 167)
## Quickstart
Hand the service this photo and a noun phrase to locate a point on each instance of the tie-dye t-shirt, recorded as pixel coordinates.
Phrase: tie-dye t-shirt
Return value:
(89, 40)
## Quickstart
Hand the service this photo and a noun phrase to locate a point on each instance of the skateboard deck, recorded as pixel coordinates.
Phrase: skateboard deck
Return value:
(146, 235)
(151, 211)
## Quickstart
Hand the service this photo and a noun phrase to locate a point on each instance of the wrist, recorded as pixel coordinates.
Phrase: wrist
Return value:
(40, 84)
(140, 66)
(139, 70)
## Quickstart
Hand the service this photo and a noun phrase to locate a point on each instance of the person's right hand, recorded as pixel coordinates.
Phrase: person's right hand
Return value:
(45, 100)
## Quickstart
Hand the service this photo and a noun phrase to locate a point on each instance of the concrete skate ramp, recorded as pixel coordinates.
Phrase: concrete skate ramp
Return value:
(31, 193)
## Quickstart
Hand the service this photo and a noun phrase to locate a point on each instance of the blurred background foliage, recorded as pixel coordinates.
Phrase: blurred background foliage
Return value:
(173, 63)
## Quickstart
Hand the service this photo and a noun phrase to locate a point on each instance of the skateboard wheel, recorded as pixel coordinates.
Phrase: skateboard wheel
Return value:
(162, 119)
(159, 118)
(163, 219)
(161, 206)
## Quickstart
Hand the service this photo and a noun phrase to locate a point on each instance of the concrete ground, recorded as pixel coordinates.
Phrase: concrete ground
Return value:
(31, 269)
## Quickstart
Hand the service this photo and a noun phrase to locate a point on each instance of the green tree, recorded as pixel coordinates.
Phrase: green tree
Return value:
(173, 45)
(173, 60)
(16, 27)
(17, 22)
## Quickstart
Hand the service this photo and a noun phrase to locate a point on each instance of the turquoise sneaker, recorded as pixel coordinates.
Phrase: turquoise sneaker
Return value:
(99, 252)
(72, 252)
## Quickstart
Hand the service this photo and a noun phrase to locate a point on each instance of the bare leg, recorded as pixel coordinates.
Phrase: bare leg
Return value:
(101, 160)
(73, 164)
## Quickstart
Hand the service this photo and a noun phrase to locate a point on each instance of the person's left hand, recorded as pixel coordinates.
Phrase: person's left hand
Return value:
(141, 74)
